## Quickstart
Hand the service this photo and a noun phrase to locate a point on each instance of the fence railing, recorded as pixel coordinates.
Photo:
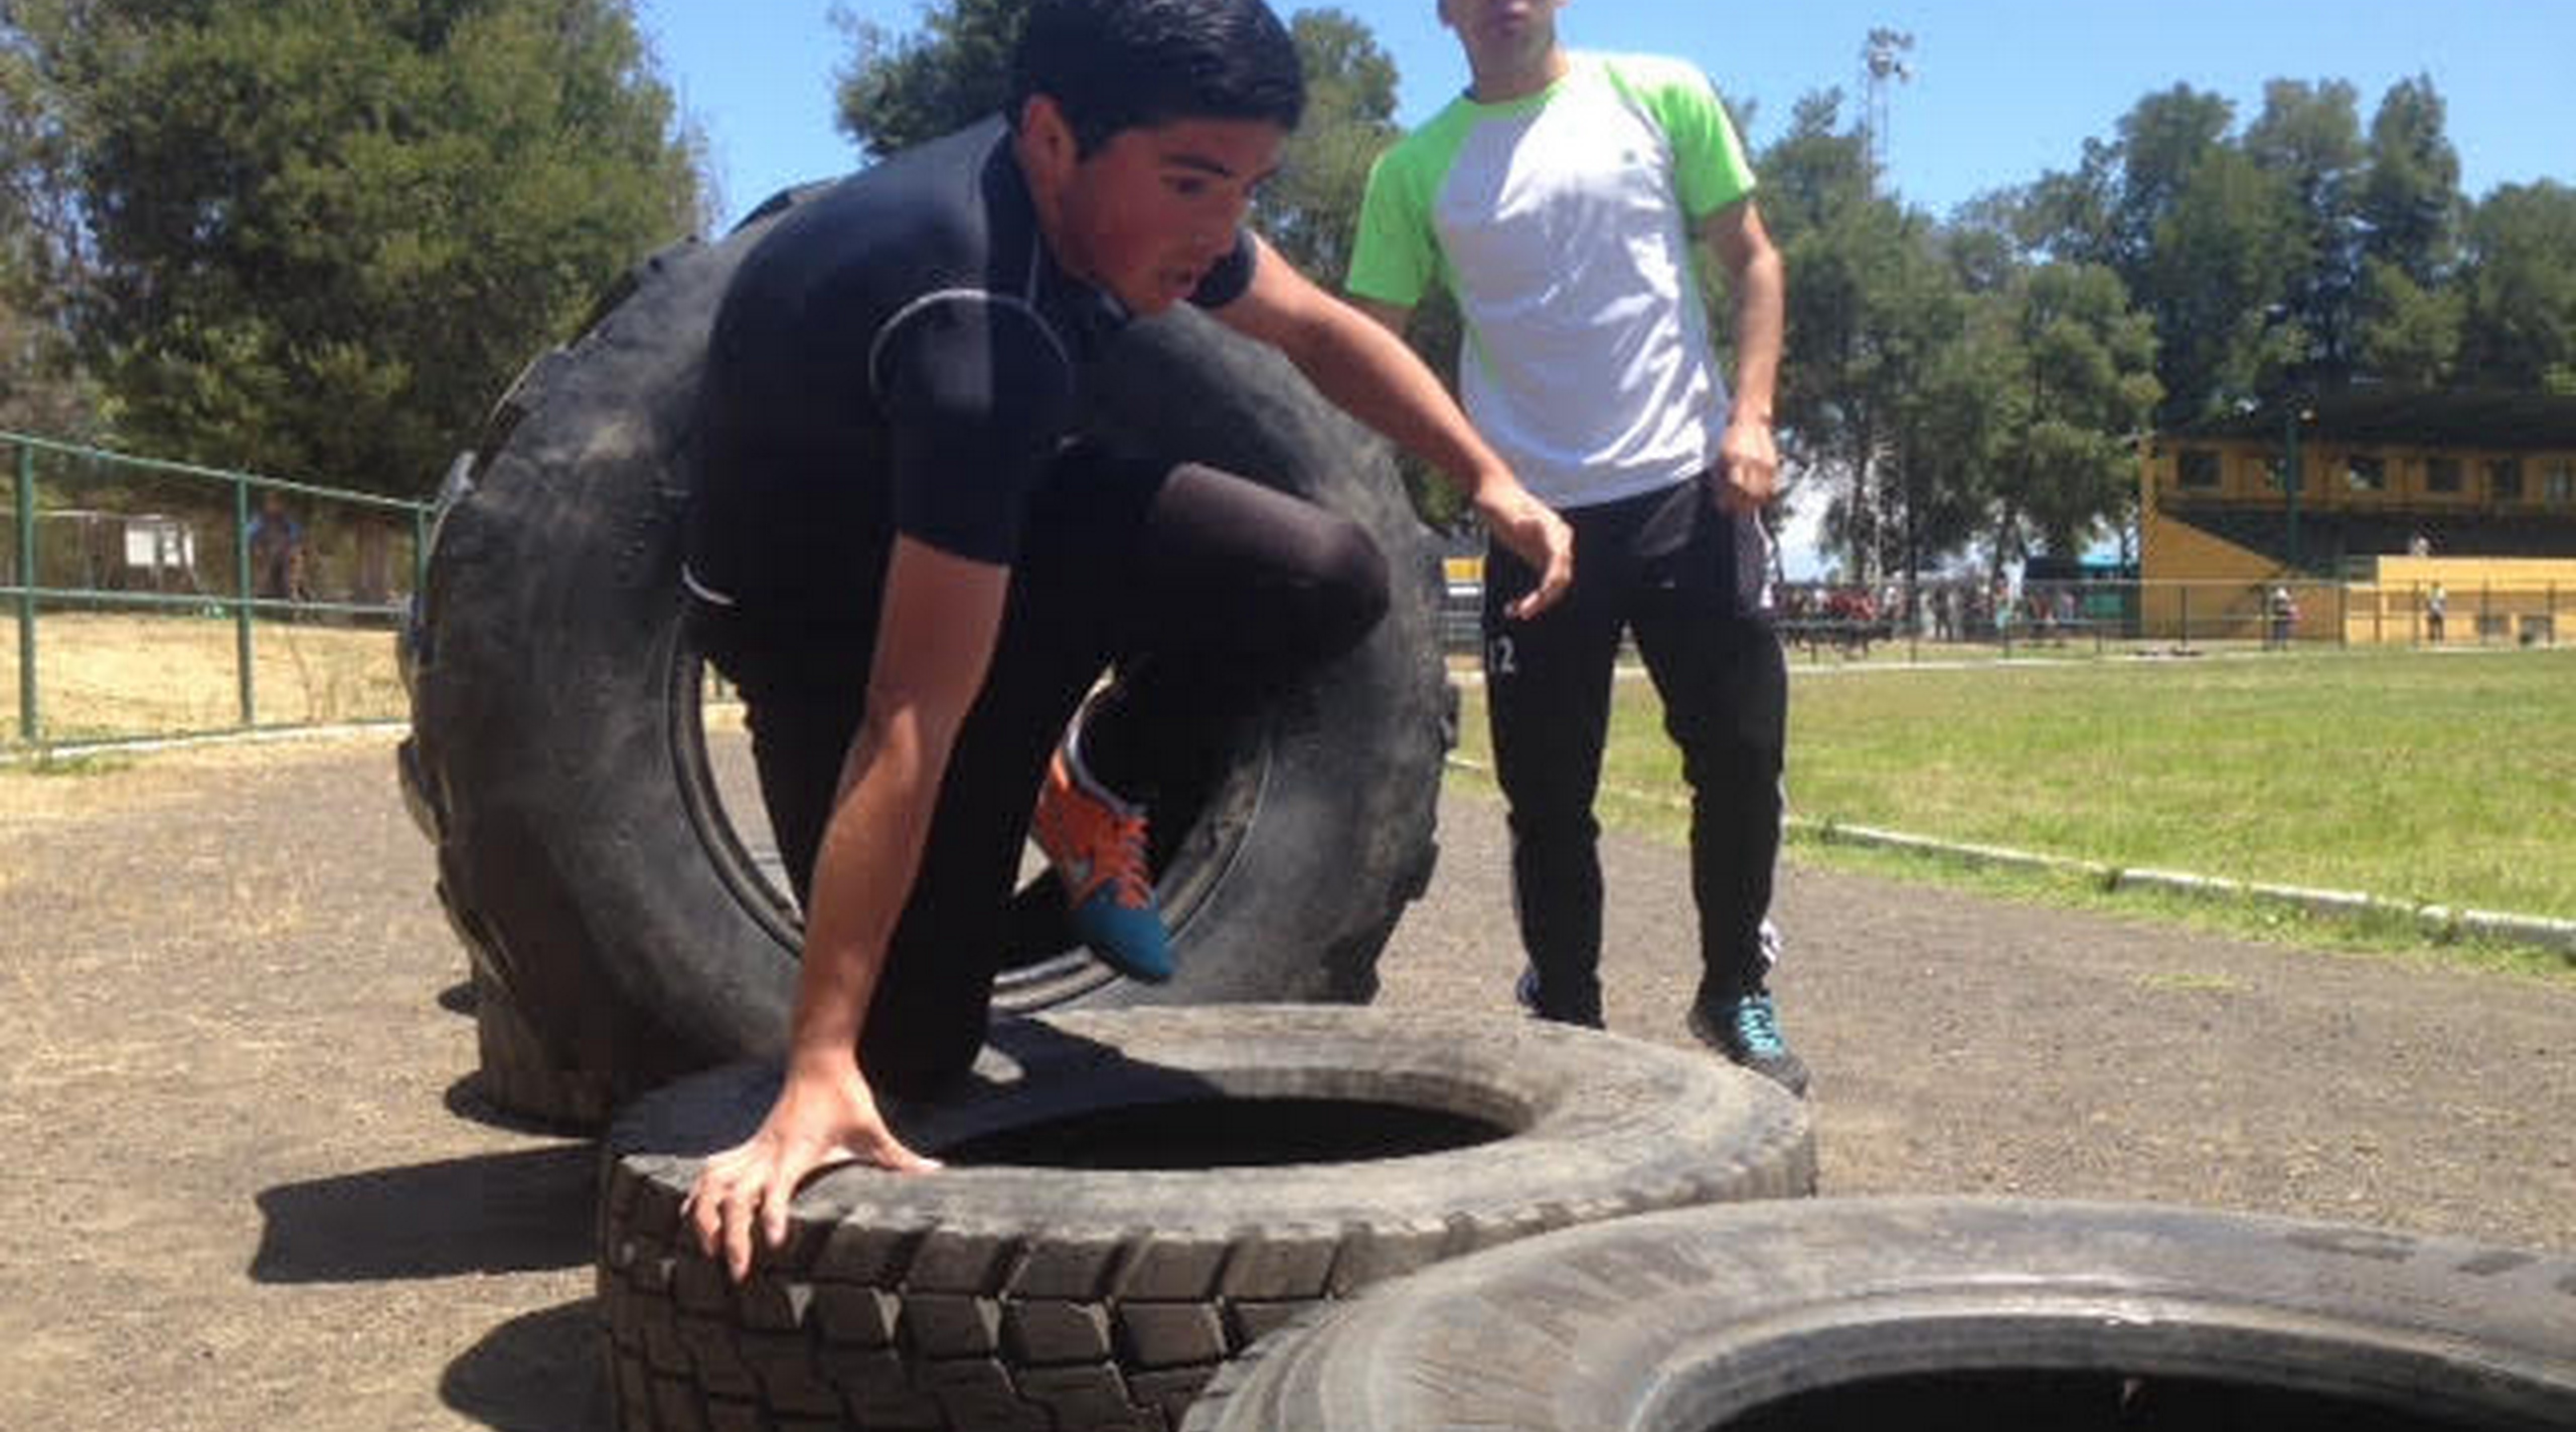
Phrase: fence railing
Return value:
(158, 554)
(1965, 621)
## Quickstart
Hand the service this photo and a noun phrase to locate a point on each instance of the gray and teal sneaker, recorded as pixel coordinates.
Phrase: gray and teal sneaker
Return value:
(1747, 1031)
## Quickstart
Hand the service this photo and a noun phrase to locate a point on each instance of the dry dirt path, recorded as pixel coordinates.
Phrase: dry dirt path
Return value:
(248, 1189)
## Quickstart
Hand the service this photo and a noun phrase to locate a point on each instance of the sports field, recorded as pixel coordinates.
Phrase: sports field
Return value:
(2442, 778)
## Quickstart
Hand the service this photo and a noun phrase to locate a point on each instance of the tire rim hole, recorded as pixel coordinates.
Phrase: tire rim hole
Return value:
(1227, 1133)
(2058, 1400)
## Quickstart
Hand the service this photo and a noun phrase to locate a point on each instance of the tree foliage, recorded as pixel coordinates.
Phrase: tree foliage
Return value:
(323, 234)
(42, 389)
(2520, 325)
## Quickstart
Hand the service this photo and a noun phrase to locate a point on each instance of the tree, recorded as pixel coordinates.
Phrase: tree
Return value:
(900, 90)
(325, 233)
(2520, 328)
(2411, 311)
(2083, 389)
(41, 388)
(2309, 138)
(1311, 210)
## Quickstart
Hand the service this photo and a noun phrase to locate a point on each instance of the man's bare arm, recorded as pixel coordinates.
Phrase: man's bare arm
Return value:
(1749, 454)
(935, 640)
(1366, 369)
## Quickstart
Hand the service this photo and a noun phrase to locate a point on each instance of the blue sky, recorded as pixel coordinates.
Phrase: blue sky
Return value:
(2003, 90)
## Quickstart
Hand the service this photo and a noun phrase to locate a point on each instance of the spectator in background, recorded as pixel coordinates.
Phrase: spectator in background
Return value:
(2281, 616)
(2437, 604)
(276, 542)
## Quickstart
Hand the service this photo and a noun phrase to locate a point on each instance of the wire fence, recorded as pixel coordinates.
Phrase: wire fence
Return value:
(1970, 621)
(156, 599)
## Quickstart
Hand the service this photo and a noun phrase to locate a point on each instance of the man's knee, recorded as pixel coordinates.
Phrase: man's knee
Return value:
(1346, 587)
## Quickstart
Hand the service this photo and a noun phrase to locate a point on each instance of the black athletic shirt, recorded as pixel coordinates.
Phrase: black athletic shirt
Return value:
(900, 354)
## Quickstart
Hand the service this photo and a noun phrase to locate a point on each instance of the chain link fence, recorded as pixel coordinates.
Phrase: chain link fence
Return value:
(158, 599)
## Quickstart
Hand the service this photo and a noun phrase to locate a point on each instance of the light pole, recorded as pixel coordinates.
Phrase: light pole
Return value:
(2298, 416)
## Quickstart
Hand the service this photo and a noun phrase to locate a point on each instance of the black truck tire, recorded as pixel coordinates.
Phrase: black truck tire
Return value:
(1133, 1196)
(2002, 1316)
(618, 930)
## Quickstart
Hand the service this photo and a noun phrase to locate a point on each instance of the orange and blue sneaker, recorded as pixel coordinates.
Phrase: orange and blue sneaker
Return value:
(1096, 843)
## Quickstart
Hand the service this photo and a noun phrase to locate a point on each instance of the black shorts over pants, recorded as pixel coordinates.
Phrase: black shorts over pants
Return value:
(1204, 589)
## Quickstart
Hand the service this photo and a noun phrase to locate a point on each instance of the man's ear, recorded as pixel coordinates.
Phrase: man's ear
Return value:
(1048, 150)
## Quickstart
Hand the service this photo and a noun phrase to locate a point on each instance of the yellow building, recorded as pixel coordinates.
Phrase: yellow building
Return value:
(2415, 517)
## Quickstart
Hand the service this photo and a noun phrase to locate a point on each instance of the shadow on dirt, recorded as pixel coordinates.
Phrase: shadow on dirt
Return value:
(536, 1373)
(530, 1211)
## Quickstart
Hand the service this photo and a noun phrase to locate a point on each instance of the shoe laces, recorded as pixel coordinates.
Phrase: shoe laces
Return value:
(1126, 861)
(1099, 833)
(1757, 1024)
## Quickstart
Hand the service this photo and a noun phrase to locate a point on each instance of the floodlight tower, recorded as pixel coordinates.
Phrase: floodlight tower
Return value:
(1883, 64)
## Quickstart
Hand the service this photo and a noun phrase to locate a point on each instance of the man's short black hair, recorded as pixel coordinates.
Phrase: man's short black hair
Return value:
(1127, 64)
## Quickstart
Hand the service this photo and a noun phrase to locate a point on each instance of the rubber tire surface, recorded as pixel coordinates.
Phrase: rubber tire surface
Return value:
(557, 764)
(998, 1297)
(1691, 1320)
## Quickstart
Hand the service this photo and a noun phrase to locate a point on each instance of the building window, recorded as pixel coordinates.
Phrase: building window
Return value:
(2196, 467)
(2363, 472)
(2561, 486)
(2504, 479)
(2442, 476)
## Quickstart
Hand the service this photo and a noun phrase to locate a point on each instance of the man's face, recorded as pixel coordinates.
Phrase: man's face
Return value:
(1150, 212)
(1503, 34)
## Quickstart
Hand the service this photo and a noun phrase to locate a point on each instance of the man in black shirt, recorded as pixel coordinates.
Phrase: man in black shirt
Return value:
(913, 570)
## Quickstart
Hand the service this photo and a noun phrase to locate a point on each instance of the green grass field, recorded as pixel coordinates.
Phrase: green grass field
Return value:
(2433, 778)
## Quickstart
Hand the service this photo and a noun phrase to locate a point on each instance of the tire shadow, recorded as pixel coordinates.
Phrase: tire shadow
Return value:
(530, 1211)
(540, 1372)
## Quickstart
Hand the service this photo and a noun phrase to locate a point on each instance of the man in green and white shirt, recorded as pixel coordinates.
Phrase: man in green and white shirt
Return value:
(1563, 201)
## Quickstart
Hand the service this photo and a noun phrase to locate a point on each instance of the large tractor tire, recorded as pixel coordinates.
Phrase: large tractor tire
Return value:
(620, 931)
(1940, 1314)
(1132, 1197)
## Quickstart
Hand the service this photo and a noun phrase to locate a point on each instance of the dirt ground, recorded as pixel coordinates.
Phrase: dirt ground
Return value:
(250, 1186)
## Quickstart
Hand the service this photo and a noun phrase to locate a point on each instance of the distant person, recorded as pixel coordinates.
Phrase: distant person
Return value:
(2281, 615)
(1566, 202)
(2437, 604)
(276, 551)
(2419, 545)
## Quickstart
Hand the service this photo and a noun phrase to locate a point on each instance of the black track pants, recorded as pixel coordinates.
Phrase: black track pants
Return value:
(1208, 588)
(1664, 566)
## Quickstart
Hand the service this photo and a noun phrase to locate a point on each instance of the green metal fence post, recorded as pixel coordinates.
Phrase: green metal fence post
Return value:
(243, 653)
(28, 724)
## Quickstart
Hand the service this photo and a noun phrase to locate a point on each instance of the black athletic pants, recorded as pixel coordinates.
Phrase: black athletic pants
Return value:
(1203, 589)
(1666, 566)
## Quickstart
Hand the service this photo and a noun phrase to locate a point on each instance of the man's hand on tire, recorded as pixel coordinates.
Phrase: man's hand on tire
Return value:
(824, 1116)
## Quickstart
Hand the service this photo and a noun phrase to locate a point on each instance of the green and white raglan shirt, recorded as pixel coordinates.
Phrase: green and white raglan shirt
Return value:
(1563, 223)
